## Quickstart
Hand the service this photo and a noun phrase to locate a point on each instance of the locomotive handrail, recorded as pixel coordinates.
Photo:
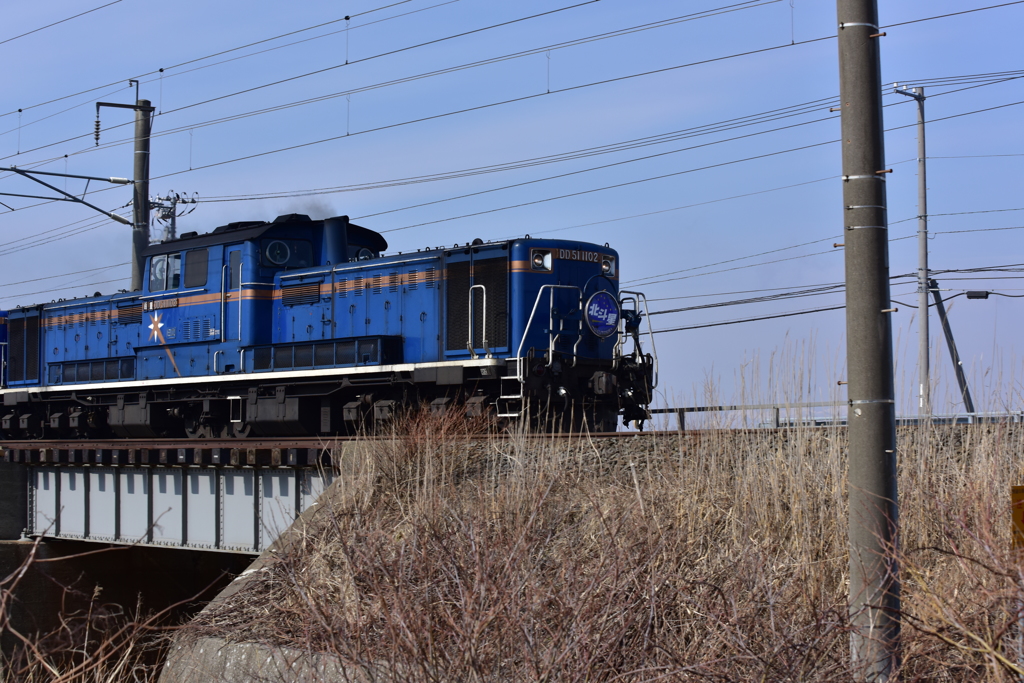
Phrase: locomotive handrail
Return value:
(169, 292)
(223, 303)
(636, 297)
(363, 264)
(306, 274)
(3, 364)
(241, 267)
(469, 343)
(551, 324)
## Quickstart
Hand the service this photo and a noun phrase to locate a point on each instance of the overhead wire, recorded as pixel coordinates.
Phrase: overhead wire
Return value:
(326, 69)
(215, 54)
(684, 171)
(515, 55)
(54, 277)
(797, 294)
(669, 175)
(41, 28)
(749, 320)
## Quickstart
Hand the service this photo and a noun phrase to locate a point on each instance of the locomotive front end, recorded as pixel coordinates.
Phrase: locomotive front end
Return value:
(578, 357)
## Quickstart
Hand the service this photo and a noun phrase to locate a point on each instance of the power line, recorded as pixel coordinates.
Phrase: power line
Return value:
(407, 79)
(223, 52)
(793, 110)
(614, 186)
(528, 97)
(783, 315)
(954, 14)
(767, 298)
(679, 208)
(41, 28)
(331, 68)
(61, 289)
(52, 277)
(750, 320)
(661, 138)
(954, 232)
(957, 213)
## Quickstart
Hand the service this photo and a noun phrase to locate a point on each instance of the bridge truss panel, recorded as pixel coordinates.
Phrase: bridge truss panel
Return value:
(45, 500)
(237, 509)
(102, 508)
(133, 509)
(202, 508)
(74, 501)
(167, 500)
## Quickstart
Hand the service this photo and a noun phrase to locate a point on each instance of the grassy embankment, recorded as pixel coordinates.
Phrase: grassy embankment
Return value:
(716, 555)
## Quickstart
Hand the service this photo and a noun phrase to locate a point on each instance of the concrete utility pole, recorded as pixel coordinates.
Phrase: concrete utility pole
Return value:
(140, 198)
(923, 346)
(874, 581)
(140, 201)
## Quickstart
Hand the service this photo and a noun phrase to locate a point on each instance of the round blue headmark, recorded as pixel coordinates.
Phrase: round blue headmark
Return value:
(602, 314)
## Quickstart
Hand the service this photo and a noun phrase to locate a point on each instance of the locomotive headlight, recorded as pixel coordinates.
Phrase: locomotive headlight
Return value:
(608, 266)
(540, 259)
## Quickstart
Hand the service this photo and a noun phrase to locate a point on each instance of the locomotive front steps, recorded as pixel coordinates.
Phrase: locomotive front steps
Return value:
(510, 402)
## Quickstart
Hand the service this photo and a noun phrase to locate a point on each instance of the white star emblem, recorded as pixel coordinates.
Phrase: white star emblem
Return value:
(154, 327)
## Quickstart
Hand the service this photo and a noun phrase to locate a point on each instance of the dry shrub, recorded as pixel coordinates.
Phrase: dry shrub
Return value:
(701, 556)
(99, 643)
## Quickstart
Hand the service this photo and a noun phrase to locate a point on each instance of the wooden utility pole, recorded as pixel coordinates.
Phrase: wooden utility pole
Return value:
(874, 513)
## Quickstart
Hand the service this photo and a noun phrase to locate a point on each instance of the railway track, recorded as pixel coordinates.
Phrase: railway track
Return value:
(253, 452)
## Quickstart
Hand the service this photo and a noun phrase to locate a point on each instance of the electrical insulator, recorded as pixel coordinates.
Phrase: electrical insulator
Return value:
(97, 133)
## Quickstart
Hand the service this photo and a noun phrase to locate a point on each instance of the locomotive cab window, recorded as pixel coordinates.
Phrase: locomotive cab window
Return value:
(164, 272)
(280, 253)
(197, 264)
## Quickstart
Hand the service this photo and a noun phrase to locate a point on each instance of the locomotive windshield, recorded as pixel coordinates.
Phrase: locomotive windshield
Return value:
(280, 253)
(164, 272)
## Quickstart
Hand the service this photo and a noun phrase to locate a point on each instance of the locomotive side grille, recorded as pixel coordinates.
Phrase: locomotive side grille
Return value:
(342, 288)
(376, 284)
(130, 315)
(492, 273)
(304, 356)
(430, 277)
(457, 297)
(261, 358)
(324, 354)
(392, 282)
(300, 294)
(357, 285)
(16, 349)
(412, 280)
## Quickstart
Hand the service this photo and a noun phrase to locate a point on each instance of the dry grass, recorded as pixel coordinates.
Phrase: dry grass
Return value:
(705, 556)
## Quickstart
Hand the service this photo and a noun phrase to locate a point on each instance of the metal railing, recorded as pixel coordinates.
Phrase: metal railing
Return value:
(776, 421)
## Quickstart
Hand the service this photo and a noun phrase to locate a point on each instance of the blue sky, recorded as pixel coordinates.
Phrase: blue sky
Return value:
(716, 204)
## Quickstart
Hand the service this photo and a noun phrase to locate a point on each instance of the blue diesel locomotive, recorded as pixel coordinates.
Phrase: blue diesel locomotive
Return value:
(302, 326)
